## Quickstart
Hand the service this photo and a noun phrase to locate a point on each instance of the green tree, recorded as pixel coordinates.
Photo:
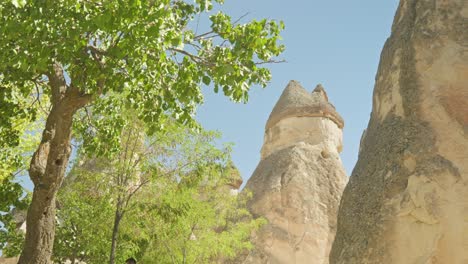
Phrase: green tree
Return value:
(212, 225)
(111, 54)
(164, 192)
(18, 138)
(84, 218)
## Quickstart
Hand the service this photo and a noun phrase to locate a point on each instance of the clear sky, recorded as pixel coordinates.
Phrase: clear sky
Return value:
(335, 43)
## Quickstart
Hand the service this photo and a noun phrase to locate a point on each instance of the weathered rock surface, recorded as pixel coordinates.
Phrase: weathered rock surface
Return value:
(298, 183)
(8, 260)
(407, 199)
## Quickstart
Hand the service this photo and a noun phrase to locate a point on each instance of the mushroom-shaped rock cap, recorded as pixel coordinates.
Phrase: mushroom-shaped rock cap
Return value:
(295, 101)
(234, 178)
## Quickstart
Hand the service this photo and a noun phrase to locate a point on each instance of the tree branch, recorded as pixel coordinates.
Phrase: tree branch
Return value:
(38, 99)
(204, 34)
(240, 18)
(57, 82)
(195, 58)
(97, 55)
(270, 61)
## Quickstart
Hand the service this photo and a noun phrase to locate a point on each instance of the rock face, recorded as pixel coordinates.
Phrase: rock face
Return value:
(8, 260)
(407, 199)
(299, 180)
(234, 180)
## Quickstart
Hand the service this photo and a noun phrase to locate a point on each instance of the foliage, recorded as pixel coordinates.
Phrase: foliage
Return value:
(140, 53)
(98, 58)
(20, 121)
(211, 226)
(84, 218)
(11, 237)
(184, 192)
(19, 135)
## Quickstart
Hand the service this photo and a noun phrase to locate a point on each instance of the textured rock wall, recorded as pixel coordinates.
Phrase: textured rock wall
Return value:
(297, 189)
(298, 183)
(407, 198)
(293, 130)
(8, 260)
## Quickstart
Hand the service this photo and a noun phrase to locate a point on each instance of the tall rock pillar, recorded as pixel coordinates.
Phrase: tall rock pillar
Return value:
(407, 198)
(298, 183)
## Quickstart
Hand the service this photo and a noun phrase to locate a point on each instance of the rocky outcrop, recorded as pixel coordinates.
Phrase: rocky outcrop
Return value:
(407, 200)
(8, 260)
(233, 180)
(299, 180)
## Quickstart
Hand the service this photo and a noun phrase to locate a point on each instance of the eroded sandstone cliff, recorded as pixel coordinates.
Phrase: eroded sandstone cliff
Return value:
(8, 260)
(407, 198)
(299, 180)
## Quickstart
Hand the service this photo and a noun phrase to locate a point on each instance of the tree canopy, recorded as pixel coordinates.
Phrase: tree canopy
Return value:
(141, 54)
(180, 203)
(144, 50)
(85, 62)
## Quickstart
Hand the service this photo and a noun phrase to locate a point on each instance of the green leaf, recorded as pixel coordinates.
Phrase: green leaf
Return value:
(140, 61)
(206, 80)
(18, 3)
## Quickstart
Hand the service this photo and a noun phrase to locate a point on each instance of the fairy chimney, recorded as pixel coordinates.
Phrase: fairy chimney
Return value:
(298, 183)
(406, 200)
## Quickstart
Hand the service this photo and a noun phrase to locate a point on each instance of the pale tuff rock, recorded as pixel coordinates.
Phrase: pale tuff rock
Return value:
(295, 101)
(8, 260)
(233, 180)
(290, 121)
(298, 183)
(407, 200)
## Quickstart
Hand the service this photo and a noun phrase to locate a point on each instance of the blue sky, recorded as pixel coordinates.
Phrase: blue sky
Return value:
(335, 43)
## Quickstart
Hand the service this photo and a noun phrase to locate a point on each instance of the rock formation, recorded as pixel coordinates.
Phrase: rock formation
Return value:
(298, 183)
(407, 198)
(8, 260)
(234, 180)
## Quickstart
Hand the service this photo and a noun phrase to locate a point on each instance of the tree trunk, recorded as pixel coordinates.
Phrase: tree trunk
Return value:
(73, 258)
(47, 169)
(115, 232)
